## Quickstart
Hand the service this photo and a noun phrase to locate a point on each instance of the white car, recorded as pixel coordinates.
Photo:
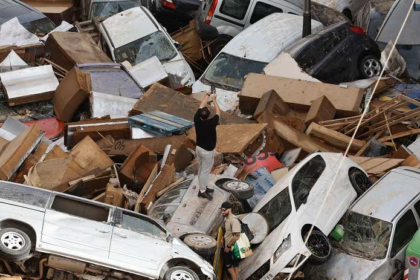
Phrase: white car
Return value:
(377, 230)
(250, 52)
(290, 208)
(134, 35)
(85, 237)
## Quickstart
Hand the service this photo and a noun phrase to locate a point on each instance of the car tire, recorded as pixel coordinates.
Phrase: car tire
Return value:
(201, 243)
(180, 272)
(15, 244)
(370, 66)
(217, 45)
(360, 182)
(240, 190)
(319, 246)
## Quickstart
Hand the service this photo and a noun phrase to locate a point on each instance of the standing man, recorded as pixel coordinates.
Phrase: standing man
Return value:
(232, 229)
(205, 129)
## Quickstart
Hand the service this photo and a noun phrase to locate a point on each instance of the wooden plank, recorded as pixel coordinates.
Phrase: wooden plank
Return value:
(334, 138)
(321, 109)
(146, 186)
(399, 135)
(300, 139)
(234, 139)
(376, 165)
(31, 161)
(55, 153)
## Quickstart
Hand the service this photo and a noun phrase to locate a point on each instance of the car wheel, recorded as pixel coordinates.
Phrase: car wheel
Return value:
(319, 246)
(200, 243)
(240, 190)
(360, 182)
(15, 244)
(370, 67)
(180, 273)
(217, 45)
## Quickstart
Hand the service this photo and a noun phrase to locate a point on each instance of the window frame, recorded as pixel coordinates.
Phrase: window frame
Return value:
(230, 15)
(392, 254)
(82, 200)
(122, 212)
(9, 185)
(251, 21)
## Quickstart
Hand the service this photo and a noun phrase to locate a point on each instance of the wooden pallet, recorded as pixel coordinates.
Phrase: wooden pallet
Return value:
(160, 123)
(91, 27)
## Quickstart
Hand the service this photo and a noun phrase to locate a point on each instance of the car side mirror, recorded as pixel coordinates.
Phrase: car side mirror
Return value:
(398, 265)
(169, 238)
(177, 45)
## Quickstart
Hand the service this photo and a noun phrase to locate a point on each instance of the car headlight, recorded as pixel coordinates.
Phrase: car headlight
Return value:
(284, 246)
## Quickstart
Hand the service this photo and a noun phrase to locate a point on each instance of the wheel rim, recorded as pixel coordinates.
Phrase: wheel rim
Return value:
(372, 68)
(200, 239)
(362, 182)
(237, 186)
(319, 245)
(13, 241)
(181, 275)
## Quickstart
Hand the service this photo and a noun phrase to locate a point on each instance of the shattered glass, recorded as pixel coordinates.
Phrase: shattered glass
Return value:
(107, 9)
(230, 71)
(39, 27)
(155, 44)
(366, 237)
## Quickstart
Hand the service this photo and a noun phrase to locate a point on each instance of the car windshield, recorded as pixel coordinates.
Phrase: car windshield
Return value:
(107, 9)
(229, 71)
(155, 44)
(365, 237)
(40, 27)
(277, 210)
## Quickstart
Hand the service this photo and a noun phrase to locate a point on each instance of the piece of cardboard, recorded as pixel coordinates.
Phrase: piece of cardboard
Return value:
(71, 92)
(321, 110)
(181, 157)
(279, 173)
(271, 103)
(89, 155)
(234, 138)
(16, 152)
(298, 94)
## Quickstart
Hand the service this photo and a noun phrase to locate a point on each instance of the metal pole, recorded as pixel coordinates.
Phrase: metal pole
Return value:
(307, 19)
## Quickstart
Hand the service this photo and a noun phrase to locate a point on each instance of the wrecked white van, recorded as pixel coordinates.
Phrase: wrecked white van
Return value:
(134, 35)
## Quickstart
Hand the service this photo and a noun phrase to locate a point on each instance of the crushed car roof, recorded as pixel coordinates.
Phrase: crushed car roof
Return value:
(264, 40)
(129, 26)
(397, 188)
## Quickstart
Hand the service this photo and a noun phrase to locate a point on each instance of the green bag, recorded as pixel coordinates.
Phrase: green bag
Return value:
(241, 249)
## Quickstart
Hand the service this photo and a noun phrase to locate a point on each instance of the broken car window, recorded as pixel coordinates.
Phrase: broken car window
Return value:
(229, 71)
(235, 8)
(305, 179)
(262, 10)
(139, 224)
(39, 27)
(404, 232)
(22, 194)
(107, 9)
(155, 44)
(277, 210)
(365, 236)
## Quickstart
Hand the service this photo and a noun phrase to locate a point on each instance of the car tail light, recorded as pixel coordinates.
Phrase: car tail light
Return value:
(168, 4)
(357, 29)
(211, 11)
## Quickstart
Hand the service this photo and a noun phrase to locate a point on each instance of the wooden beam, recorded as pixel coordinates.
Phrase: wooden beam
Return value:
(363, 149)
(399, 135)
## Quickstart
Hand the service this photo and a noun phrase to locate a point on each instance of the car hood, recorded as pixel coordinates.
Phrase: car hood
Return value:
(344, 266)
(226, 99)
(180, 68)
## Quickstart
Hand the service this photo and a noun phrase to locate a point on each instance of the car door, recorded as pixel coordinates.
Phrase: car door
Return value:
(230, 16)
(404, 231)
(77, 226)
(139, 241)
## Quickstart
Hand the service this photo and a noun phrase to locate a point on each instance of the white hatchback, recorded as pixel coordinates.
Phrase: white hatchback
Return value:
(135, 35)
(290, 208)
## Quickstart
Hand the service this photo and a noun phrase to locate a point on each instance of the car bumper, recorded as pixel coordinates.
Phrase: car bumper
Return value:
(205, 31)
